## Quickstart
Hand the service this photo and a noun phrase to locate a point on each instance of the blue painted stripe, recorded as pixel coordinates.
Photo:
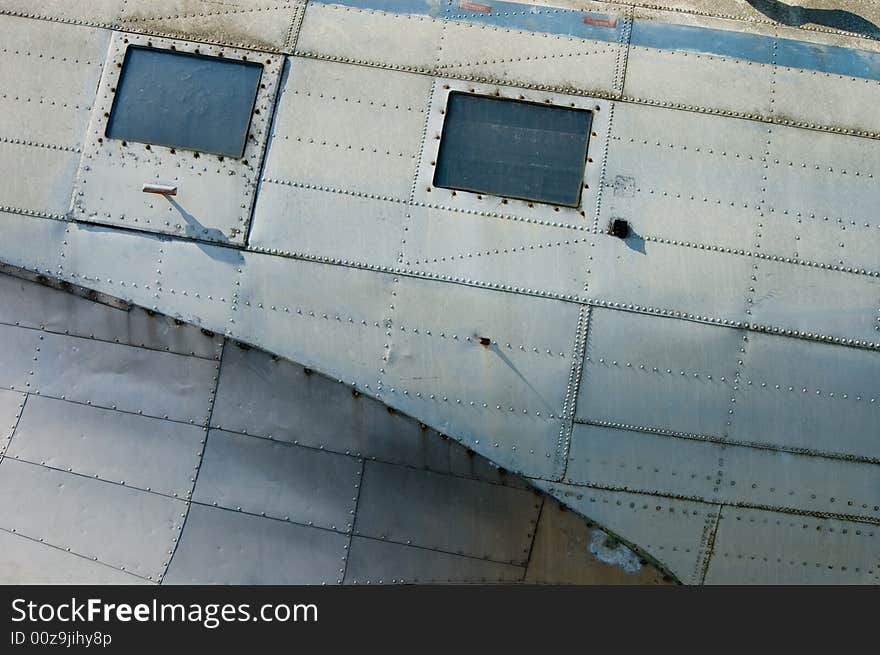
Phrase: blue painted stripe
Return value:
(665, 36)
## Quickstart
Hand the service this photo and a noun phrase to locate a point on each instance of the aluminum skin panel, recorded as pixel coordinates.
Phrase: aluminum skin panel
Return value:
(473, 518)
(225, 547)
(523, 58)
(141, 452)
(808, 300)
(11, 404)
(128, 266)
(257, 24)
(712, 472)
(635, 273)
(350, 126)
(159, 384)
(675, 532)
(98, 12)
(214, 193)
(114, 524)
(18, 229)
(689, 80)
(333, 321)
(200, 282)
(757, 547)
(369, 37)
(30, 304)
(493, 250)
(36, 180)
(18, 359)
(675, 375)
(308, 221)
(38, 563)
(684, 176)
(48, 73)
(809, 396)
(507, 394)
(372, 561)
(567, 551)
(848, 102)
(822, 198)
(278, 480)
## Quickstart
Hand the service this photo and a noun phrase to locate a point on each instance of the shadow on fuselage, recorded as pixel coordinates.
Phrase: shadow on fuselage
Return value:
(794, 16)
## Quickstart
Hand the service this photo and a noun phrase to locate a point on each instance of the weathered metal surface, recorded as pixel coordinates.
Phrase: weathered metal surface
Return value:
(278, 480)
(506, 517)
(334, 130)
(25, 559)
(220, 546)
(819, 398)
(121, 526)
(136, 451)
(11, 404)
(373, 561)
(753, 546)
(680, 375)
(675, 532)
(164, 385)
(215, 193)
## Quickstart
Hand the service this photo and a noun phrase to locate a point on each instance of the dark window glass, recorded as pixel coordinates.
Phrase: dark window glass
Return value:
(513, 148)
(185, 101)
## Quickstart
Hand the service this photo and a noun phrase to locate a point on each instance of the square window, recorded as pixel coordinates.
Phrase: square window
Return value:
(513, 148)
(184, 100)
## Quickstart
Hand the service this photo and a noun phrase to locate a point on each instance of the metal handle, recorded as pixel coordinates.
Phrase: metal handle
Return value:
(161, 189)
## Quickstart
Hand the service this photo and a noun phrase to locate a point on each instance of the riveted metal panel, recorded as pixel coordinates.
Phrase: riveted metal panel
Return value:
(678, 280)
(116, 525)
(258, 24)
(220, 546)
(424, 193)
(308, 221)
(327, 317)
(494, 250)
(35, 305)
(720, 473)
(520, 57)
(48, 74)
(146, 453)
(569, 550)
(675, 375)
(18, 229)
(822, 198)
(164, 385)
(503, 398)
(119, 263)
(369, 37)
(684, 176)
(848, 102)
(27, 561)
(200, 282)
(675, 532)
(807, 395)
(278, 480)
(690, 80)
(758, 547)
(100, 12)
(36, 179)
(214, 194)
(372, 561)
(347, 126)
(815, 301)
(11, 404)
(18, 358)
(468, 517)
